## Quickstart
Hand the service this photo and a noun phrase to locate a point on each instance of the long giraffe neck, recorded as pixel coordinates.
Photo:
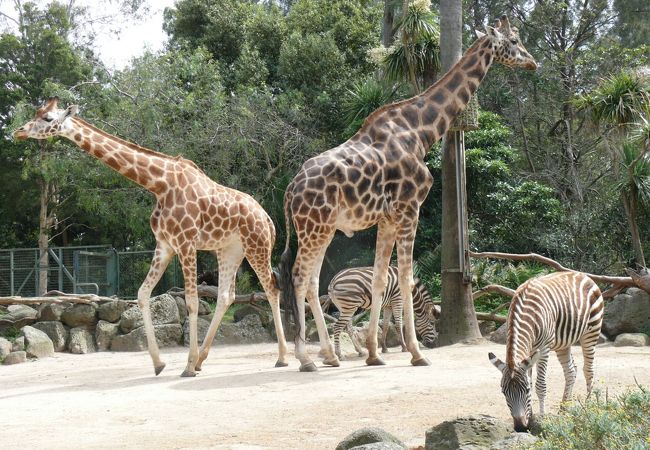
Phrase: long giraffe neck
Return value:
(425, 118)
(146, 167)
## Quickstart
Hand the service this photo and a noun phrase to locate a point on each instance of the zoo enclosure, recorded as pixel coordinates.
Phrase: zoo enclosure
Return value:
(97, 269)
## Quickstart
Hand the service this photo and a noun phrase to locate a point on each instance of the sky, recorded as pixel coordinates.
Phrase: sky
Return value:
(134, 38)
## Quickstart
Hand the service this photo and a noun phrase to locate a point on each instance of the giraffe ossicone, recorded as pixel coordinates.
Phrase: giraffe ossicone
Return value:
(378, 177)
(192, 213)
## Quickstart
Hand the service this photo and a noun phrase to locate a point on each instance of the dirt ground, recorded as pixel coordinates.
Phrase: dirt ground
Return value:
(240, 401)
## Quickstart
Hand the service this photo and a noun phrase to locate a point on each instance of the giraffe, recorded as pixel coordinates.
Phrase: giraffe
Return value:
(378, 177)
(192, 213)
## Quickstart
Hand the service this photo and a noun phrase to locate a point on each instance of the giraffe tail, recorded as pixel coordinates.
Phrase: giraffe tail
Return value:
(288, 295)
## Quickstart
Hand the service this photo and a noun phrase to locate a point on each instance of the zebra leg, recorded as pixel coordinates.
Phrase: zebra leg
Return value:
(405, 237)
(388, 313)
(588, 343)
(397, 313)
(565, 358)
(385, 243)
(540, 382)
(354, 338)
(345, 316)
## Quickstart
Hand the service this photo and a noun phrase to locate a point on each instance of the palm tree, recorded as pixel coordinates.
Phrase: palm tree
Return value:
(619, 103)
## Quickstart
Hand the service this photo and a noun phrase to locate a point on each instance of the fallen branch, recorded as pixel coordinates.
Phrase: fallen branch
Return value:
(640, 280)
(493, 289)
(55, 297)
(491, 316)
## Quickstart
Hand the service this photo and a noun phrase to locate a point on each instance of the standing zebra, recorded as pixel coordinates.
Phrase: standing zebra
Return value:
(548, 313)
(351, 289)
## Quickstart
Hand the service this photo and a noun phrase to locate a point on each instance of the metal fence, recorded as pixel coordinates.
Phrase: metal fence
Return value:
(90, 269)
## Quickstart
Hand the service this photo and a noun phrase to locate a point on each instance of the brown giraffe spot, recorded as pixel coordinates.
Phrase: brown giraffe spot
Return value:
(441, 127)
(454, 82)
(485, 43)
(77, 137)
(350, 194)
(85, 145)
(358, 211)
(330, 192)
(471, 60)
(377, 183)
(130, 174)
(353, 174)
(419, 103)
(451, 110)
(439, 97)
(411, 115)
(429, 114)
(363, 185)
(317, 183)
(463, 95)
(393, 173)
(407, 191)
(477, 73)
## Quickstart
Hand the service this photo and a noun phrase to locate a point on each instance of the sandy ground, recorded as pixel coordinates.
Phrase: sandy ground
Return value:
(240, 401)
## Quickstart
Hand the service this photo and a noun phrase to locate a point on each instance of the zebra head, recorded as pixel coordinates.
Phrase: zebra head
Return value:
(516, 387)
(425, 325)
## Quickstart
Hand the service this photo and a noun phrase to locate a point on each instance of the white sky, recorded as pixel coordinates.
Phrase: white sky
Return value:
(134, 38)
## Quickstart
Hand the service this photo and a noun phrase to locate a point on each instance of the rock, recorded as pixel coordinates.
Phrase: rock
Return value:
(369, 435)
(37, 343)
(202, 330)
(632, 340)
(80, 315)
(204, 308)
(379, 446)
(19, 344)
(15, 358)
(248, 331)
(81, 341)
(104, 334)
(478, 431)
(627, 313)
(112, 311)
(18, 316)
(499, 336)
(56, 332)
(167, 335)
(602, 339)
(52, 311)
(515, 441)
(163, 311)
(182, 309)
(5, 347)
(244, 311)
(487, 327)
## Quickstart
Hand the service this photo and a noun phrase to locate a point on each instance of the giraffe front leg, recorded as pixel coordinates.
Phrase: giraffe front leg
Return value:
(385, 242)
(331, 359)
(162, 255)
(406, 284)
(300, 288)
(187, 257)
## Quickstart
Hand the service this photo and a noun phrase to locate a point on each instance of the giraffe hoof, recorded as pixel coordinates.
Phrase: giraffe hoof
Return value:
(159, 369)
(376, 361)
(420, 362)
(188, 374)
(281, 364)
(334, 362)
(309, 367)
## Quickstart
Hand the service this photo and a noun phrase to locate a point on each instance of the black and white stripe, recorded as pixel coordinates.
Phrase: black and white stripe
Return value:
(548, 313)
(351, 289)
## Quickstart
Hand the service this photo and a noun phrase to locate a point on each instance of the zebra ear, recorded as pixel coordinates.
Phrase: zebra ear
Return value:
(530, 361)
(496, 362)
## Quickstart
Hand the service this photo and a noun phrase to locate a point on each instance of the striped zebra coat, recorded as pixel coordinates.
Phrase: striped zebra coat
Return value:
(351, 289)
(546, 314)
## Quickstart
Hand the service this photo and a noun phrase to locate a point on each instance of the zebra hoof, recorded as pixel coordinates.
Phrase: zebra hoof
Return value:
(281, 364)
(188, 374)
(420, 362)
(309, 367)
(334, 362)
(376, 361)
(159, 369)
(384, 350)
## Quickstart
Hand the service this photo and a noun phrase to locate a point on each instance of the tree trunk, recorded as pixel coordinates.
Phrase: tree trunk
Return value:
(43, 238)
(630, 204)
(458, 318)
(387, 26)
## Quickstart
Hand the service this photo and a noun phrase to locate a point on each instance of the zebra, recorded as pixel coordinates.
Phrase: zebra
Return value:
(351, 289)
(548, 313)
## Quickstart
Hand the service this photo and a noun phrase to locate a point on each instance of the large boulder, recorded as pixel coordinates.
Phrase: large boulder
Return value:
(471, 432)
(379, 446)
(245, 310)
(204, 308)
(167, 335)
(80, 315)
(81, 341)
(52, 311)
(627, 313)
(163, 311)
(515, 441)
(15, 358)
(182, 309)
(37, 343)
(56, 331)
(369, 435)
(17, 316)
(112, 311)
(5, 347)
(500, 334)
(632, 340)
(19, 344)
(104, 334)
(247, 331)
(202, 330)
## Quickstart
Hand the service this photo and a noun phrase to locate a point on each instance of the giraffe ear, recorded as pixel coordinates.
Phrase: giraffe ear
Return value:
(71, 111)
(479, 34)
(496, 362)
(491, 31)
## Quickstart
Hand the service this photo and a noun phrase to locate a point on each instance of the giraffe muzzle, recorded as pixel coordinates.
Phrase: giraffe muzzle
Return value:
(20, 134)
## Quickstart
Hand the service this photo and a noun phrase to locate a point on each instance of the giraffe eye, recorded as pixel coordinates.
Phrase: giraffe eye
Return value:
(513, 41)
(47, 119)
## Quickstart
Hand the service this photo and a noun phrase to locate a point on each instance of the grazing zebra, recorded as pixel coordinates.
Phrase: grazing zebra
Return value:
(548, 313)
(351, 289)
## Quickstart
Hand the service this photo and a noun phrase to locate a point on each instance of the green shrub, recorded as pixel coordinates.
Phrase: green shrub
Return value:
(600, 423)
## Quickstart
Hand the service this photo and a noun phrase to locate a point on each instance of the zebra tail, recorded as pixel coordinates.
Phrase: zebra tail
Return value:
(288, 294)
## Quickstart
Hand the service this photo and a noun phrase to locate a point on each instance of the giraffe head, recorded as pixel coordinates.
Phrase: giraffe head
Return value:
(508, 49)
(516, 387)
(47, 122)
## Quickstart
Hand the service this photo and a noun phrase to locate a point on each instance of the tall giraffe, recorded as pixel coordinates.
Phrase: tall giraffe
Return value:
(192, 213)
(379, 177)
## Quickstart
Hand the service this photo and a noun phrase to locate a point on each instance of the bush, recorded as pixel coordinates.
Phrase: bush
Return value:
(600, 423)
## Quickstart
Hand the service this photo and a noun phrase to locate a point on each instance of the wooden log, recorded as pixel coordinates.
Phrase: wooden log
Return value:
(491, 316)
(53, 299)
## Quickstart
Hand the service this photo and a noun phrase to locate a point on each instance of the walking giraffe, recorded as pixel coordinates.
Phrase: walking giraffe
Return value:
(192, 213)
(378, 177)
(548, 313)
